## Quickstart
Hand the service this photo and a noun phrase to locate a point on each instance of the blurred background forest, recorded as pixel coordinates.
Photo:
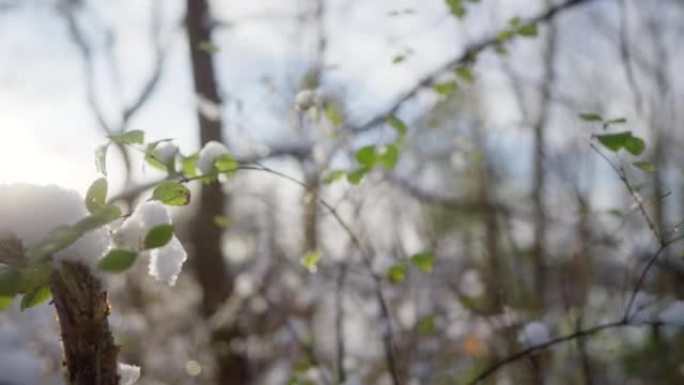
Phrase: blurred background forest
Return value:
(515, 217)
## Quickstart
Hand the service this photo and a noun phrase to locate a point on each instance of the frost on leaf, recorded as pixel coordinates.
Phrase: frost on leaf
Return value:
(128, 374)
(534, 333)
(208, 156)
(166, 152)
(166, 262)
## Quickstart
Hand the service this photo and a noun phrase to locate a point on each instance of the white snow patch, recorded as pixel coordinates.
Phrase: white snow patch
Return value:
(673, 314)
(167, 261)
(28, 212)
(208, 155)
(128, 374)
(166, 151)
(534, 333)
(305, 99)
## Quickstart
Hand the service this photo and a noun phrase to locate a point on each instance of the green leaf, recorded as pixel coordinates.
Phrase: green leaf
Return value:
(207, 46)
(528, 30)
(356, 176)
(35, 297)
(646, 166)
(397, 273)
(635, 146)
(366, 156)
(334, 115)
(389, 157)
(333, 176)
(310, 261)
(171, 193)
(504, 36)
(456, 8)
(130, 137)
(226, 163)
(423, 261)
(615, 212)
(616, 121)
(152, 159)
(591, 117)
(35, 276)
(614, 142)
(5, 302)
(98, 219)
(514, 22)
(189, 165)
(101, 159)
(426, 325)
(465, 73)
(117, 260)
(446, 88)
(96, 195)
(158, 236)
(57, 239)
(500, 50)
(398, 59)
(398, 125)
(9, 281)
(221, 221)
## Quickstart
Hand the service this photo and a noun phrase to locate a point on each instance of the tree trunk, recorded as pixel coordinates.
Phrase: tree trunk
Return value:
(90, 355)
(208, 262)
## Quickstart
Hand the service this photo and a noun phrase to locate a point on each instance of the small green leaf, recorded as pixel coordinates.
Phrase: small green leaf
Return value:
(34, 276)
(96, 195)
(423, 261)
(615, 212)
(616, 121)
(333, 176)
(207, 46)
(221, 221)
(226, 163)
(398, 59)
(514, 22)
(389, 157)
(9, 281)
(310, 261)
(171, 193)
(356, 176)
(5, 302)
(366, 156)
(456, 8)
(528, 30)
(130, 137)
(614, 142)
(635, 146)
(398, 125)
(334, 115)
(152, 158)
(57, 239)
(446, 88)
(646, 166)
(101, 159)
(591, 117)
(158, 236)
(189, 165)
(397, 273)
(426, 325)
(35, 297)
(504, 36)
(117, 260)
(466, 74)
(500, 50)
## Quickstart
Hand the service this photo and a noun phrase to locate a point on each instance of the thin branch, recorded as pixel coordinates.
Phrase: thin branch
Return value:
(464, 58)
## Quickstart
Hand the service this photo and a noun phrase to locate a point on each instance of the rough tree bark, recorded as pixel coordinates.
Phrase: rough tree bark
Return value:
(208, 262)
(90, 355)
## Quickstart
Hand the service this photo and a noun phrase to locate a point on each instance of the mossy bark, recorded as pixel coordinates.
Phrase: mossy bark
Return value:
(90, 355)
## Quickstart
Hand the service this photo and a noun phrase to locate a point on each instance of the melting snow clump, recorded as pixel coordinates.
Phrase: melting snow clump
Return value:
(128, 374)
(28, 212)
(166, 261)
(208, 156)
